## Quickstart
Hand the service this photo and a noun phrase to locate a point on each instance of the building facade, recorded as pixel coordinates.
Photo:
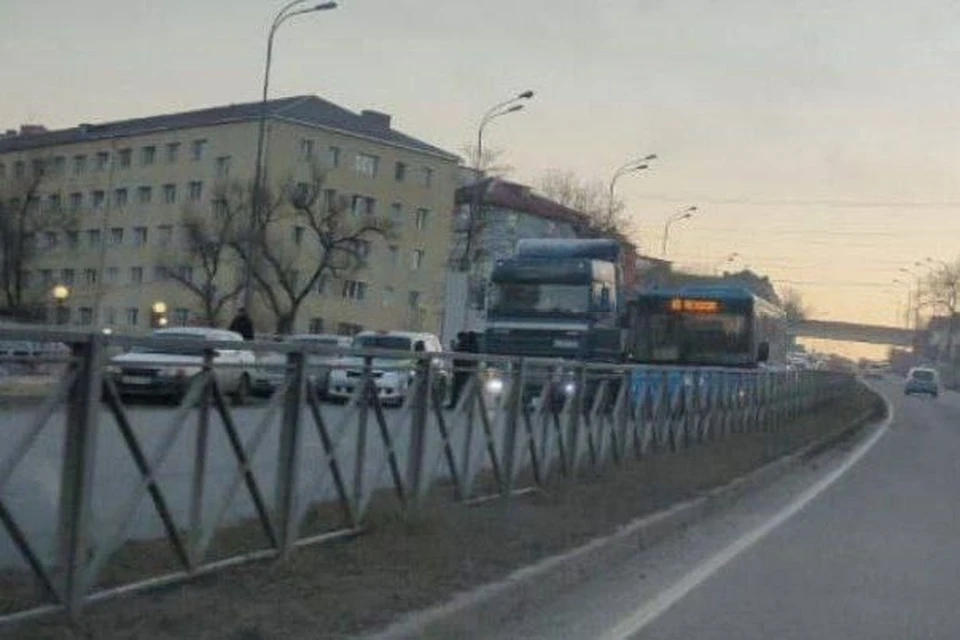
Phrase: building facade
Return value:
(117, 193)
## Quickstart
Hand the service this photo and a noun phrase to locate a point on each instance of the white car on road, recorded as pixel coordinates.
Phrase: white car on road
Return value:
(392, 376)
(167, 372)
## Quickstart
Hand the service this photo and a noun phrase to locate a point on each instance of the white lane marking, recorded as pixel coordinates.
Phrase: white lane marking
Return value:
(635, 622)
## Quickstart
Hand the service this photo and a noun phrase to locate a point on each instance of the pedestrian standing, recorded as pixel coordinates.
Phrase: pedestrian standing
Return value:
(242, 324)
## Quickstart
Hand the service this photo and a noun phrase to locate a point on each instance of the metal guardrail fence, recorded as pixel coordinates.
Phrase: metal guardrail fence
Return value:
(470, 424)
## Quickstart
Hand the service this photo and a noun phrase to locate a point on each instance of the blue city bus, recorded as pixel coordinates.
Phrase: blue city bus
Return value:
(704, 325)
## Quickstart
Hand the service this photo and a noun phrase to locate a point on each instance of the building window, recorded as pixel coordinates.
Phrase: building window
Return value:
(136, 275)
(389, 293)
(363, 249)
(50, 240)
(322, 283)
(426, 177)
(185, 273)
(3, 171)
(46, 276)
(125, 156)
(173, 152)
(139, 236)
(59, 166)
(67, 276)
(333, 157)
(316, 325)
(181, 316)
(363, 205)
(113, 274)
(421, 221)
(159, 273)
(90, 276)
(76, 201)
(102, 161)
(366, 165)
(145, 194)
(99, 197)
(79, 165)
(73, 239)
(396, 211)
(306, 149)
(223, 167)
(394, 252)
(400, 171)
(110, 316)
(196, 191)
(348, 328)
(329, 199)
(19, 168)
(133, 316)
(39, 167)
(93, 237)
(298, 235)
(86, 316)
(148, 155)
(353, 290)
(169, 193)
(120, 197)
(197, 149)
(416, 259)
(116, 236)
(164, 234)
(413, 300)
(53, 203)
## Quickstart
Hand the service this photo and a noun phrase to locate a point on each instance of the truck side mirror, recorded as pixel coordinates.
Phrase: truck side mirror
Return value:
(763, 351)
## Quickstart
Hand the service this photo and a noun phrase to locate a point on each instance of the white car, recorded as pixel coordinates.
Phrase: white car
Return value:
(167, 372)
(392, 376)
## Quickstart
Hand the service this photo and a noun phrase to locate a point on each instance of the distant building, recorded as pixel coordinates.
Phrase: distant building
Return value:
(127, 183)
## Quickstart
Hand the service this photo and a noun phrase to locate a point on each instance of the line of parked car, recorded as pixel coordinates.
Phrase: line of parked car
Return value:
(166, 372)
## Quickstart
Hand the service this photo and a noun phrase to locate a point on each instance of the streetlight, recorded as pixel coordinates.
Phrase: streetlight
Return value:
(60, 293)
(512, 105)
(288, 11)
(909, 300)
(159, 317)
(640, 164)
(685, 214)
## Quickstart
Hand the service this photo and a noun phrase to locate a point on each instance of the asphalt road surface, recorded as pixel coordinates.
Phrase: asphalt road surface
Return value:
(862, 543)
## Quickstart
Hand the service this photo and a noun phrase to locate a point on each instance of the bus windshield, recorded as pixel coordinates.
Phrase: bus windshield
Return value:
(721, 338)
(537, 297)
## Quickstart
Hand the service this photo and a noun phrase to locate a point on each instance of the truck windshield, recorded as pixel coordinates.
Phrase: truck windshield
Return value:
(693, 339)
(535, 297)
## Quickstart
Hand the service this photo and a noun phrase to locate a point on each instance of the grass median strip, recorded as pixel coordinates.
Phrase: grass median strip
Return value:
(405, 563)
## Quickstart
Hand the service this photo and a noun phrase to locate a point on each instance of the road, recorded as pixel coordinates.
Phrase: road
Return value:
(862, 543)
(33, 491)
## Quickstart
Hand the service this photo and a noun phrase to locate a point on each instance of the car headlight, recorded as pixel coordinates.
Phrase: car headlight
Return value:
(569, 388)
(494, 386)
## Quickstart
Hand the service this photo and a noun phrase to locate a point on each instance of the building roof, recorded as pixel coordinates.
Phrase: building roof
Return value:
(307, 110)
(519, 197)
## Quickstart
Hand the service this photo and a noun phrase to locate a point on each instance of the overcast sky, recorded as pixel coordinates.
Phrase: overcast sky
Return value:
(819, 139)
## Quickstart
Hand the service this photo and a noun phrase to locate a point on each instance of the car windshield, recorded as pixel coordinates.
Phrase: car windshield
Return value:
(923, 375)
(395, 343)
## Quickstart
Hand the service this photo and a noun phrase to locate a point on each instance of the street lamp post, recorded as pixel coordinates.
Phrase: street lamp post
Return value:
(685, 214)
(500, 109)
(259, 173)
(60, 293)
(640, 164)
(907, 314)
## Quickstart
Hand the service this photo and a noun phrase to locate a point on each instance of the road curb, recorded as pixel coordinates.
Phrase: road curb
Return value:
(471, 610)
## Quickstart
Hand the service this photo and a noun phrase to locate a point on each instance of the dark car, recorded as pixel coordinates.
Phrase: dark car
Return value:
(922, 380)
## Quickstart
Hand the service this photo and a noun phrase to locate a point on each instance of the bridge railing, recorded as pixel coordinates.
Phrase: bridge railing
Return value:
(90, 480)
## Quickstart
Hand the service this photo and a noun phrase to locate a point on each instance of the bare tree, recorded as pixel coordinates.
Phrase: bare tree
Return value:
(491, 164)
(941, 291)
(205, 263)
(794, 306)
(24, 214)
(591, 198)
(302, 234)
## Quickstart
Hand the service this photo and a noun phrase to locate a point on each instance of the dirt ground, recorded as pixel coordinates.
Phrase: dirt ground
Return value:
(404, 563)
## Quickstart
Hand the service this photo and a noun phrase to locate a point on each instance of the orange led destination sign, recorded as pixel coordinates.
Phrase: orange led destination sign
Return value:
(690, 305)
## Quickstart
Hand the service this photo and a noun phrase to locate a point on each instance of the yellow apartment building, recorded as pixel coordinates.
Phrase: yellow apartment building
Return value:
(124, 187)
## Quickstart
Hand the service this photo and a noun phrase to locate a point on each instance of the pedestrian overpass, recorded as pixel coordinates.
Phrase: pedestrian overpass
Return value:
(853, 332)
